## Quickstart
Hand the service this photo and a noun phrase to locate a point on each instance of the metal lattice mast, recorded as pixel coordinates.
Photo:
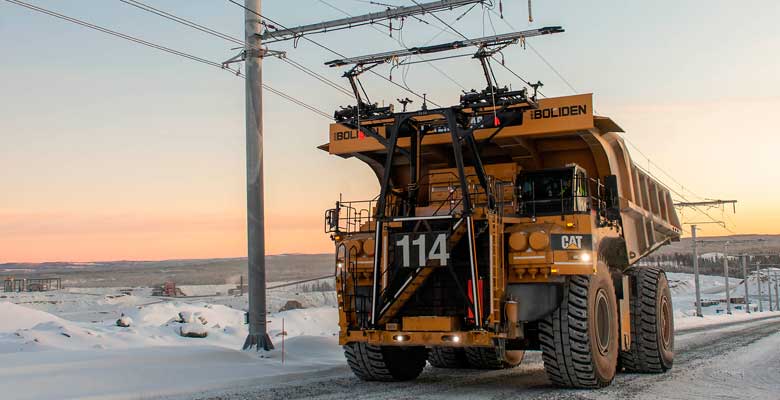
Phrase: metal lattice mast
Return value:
(758, 281)
(726, 275)
(696, 271)
(745, 275)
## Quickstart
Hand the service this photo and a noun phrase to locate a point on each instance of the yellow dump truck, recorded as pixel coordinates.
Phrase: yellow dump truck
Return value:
(503, 224)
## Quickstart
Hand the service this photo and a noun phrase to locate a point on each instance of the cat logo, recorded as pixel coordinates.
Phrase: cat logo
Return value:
(571, 242)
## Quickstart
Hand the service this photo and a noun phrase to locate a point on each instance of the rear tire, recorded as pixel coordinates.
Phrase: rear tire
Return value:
(385, 363)
(652, 323)
(448, 357)
(491, 357)
(579, 340)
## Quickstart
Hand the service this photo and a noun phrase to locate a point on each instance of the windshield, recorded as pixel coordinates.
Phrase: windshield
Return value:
(558, 191)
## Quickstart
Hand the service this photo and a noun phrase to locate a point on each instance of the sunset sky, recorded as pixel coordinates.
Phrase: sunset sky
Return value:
(110, 150)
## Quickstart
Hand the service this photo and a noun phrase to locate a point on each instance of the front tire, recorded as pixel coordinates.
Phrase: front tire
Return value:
(579, 340)
(652, 323)
(385, 363)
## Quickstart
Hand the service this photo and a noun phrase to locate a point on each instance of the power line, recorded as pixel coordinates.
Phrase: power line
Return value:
(162, 48)
(334, 52)
(317, 76)
(191, 24)
(649, 160)
(182, 21)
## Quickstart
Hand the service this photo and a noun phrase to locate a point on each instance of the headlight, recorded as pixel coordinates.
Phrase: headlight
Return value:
(585, 257)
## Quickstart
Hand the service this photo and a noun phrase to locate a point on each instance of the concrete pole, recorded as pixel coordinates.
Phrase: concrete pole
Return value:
(747, 291)
(258, 334)
(726, 275)
(696, 271)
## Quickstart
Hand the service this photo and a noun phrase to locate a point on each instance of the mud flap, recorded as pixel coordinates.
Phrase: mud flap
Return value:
(625, 315)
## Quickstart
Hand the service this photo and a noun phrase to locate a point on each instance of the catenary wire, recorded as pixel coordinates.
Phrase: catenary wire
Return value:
(334, 52)
(194, 25)
(162, 48)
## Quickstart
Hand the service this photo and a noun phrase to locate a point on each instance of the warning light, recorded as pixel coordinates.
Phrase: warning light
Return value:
(496, 121)
(361, 135)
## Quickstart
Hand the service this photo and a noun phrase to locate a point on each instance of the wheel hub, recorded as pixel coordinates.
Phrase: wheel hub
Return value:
(602, 319)
(666, 326)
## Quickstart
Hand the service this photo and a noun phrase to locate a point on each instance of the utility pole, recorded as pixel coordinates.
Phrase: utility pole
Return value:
(726, 274)
(258, 333)
(777, 294)
(769, 289)
(252, 55)
(758, 280)
(696, 271)
(745, 275)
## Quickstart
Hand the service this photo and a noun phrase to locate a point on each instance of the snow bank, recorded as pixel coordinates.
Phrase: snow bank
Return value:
(24, 329)
(14, 317)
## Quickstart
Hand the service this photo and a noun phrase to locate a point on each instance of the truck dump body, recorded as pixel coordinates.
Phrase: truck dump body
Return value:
(561, 131)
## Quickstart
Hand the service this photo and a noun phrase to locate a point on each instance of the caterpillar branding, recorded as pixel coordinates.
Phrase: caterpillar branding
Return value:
(571, 242)
(557, 112)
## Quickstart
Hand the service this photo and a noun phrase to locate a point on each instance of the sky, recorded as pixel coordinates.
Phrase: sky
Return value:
(111, 150)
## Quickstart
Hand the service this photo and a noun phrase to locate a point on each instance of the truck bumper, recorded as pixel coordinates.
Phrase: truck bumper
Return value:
(428, 339)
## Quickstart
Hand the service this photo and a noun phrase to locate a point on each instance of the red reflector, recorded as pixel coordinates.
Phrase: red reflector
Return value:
(496, 121)
(361, 135)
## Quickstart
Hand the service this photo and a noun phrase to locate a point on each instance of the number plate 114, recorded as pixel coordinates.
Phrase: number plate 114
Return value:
(413, 250)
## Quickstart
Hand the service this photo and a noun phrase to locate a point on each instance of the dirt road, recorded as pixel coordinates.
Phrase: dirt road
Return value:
(733, 361)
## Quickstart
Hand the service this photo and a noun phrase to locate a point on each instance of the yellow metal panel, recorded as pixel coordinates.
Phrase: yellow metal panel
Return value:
(429, 324)
(554, 115)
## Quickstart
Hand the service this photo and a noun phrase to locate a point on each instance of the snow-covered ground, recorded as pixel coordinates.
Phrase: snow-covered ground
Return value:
(714, 288)
(67, 344)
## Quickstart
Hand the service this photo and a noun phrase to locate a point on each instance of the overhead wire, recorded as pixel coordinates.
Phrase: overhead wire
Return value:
(164, 49)
(213, 32)
(630, 143)
(305, 37)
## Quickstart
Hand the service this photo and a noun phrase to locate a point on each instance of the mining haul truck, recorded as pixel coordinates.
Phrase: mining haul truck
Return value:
(502, 224)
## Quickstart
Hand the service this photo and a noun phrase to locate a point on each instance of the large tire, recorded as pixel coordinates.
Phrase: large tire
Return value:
(448, 357)
(385, 363)
(580, 340)
(491, 358)
(652, 323)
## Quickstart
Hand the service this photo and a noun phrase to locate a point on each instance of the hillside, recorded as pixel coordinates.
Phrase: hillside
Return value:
(183, 272)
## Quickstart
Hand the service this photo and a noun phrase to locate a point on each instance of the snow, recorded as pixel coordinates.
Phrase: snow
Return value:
(14, 317)
(74, 333)
(151, 358)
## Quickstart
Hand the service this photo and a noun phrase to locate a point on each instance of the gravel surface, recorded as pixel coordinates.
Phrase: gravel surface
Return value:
(730, 361)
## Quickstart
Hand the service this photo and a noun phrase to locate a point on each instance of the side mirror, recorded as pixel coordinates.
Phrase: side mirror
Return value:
(332, 220)
(612, 198)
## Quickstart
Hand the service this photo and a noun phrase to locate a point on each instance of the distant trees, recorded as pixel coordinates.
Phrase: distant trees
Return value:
(710, 265)
(318, 286)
